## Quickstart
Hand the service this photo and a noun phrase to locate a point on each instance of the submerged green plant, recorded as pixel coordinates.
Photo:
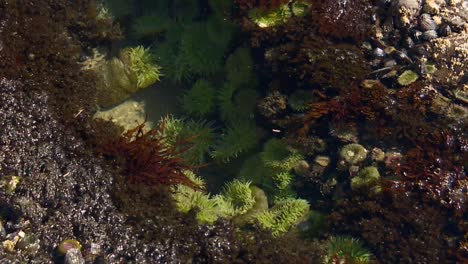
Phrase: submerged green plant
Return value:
(141, 66)
(279, 156)
(283, 215)
(239, 194)
(346, 250)
(199, 101)
(237, 138)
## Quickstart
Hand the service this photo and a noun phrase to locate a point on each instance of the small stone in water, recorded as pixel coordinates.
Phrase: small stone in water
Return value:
(74, 256)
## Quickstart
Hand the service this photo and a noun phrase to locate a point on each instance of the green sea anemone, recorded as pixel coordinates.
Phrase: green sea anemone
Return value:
(208, 209)
(220, 7)
(366, 178)
(239, 67)
(299, 100)
(353, 153)
(220, 31)
(149, 25)
(184, 11)
(239, 194)
(187, 199)
(283, 180)
(236, 103)
(284, 214)
(199, 101)
(279, 156)
(141, 66)
(299, 8)
(201, 54)
(120, 8)
(199, 133)
(260, 205)
(255, 171)
(346, 250)
(266, 18)
(169, 55)
(237, 138)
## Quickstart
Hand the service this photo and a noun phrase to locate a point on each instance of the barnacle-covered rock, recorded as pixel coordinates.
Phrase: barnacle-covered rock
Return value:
(449, 55)
(406, 11)
(273, 104)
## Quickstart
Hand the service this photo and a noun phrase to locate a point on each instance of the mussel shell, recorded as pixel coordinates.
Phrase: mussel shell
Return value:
(426, 22)
(430, 34)
(445, 30)
(417, 35)
(378, 53)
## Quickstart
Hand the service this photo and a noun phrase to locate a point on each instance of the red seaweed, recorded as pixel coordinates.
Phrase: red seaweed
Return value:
(147, 160)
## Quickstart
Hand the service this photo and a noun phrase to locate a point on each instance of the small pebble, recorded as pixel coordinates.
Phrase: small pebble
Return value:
(74, 256)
